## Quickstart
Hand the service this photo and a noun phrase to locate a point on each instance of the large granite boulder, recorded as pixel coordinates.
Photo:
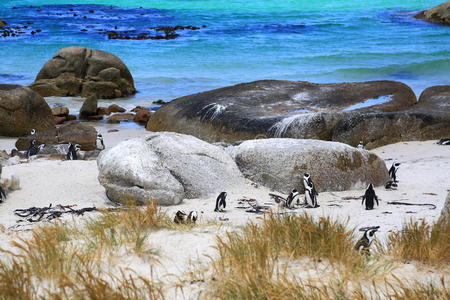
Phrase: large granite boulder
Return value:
(428, 119)
(79, 71)
(280, 164)
(273, 108)
(166, 167)
(21, 110)
(73, 132)
(439, 14)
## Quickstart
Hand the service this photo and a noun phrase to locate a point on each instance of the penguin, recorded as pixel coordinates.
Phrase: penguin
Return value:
(2, 194)
(32, 149)
(364, 243)
(192, 217)
(290, 199)
(369, 197)
(72, 152)
(33, 131)
(310, 192)
(390, 185)
(393, 171)
(444, 141)
(221, 202)
(360, 145)
(180, 217)
(100, 145)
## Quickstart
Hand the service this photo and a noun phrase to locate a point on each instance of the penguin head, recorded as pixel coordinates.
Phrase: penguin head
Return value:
(41, 146)
(306, 175)
(396, 165)
(294, 192)
(33, 142)
(77, 147)
(33, 131)
(180, 214)
(370, 234)
(370, 187)
(99, 136)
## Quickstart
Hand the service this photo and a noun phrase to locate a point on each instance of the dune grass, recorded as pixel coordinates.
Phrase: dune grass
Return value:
(422, 242)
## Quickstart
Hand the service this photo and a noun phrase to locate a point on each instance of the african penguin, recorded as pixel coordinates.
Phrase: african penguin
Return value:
(180, 217)
(390, 185)
(100, 145)
(192, 217)
(32, 149)
(444, 141)
(310, 192)
(369, 197)
(33, 131)
(360, 145)
(72, 152)
(221, 202)
(393, 171)
(364, 243)
(290, 198)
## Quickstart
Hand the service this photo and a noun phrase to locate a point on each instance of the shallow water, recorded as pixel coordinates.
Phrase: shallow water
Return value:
(323, 41)
(369, 102)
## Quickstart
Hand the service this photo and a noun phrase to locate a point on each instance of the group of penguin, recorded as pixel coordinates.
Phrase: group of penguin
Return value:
(72, 152)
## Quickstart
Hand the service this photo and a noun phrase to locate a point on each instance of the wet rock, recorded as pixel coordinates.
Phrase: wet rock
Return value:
(73, 132)
(79, 71)
(138, 108)
(160, 102)
(3, 23)
(89, 107)
(272, 108)
(120, 117)
(114, 108)
(101, 111)
(439, 14)
(21, 110)
(280, 164)
(71, 117)
(166, 167)
(95, 118)
(142, 116)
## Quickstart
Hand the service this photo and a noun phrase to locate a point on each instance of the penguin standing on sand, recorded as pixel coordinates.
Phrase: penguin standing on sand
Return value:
(310, 192)
(369, 197)
(32, 149)
(72, 153)
(364, 243)
(393, 171)
(100, 145)
(192, 217)
(221, 202)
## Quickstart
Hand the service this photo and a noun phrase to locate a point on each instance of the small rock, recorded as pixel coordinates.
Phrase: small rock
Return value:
(71, 117)
(89, 107)
(95, 118)
(161, 102)
(114, 108)
(60, 111)
(121, 117)
(3, 23)
(101, 111)
(142, 116)
(138, 108)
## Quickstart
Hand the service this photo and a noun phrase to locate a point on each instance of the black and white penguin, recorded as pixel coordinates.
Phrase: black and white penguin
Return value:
(393, 171)
(100, 145)
(33, 131)
(444, 141)
(310, 192)
(2, 194)
(390, 185)
(290, 198)
(192, 217)
(364, 243)
(72, 152)
(221, 202)
(360, 145)
(32, 149)
(180, 217)
(369, 197)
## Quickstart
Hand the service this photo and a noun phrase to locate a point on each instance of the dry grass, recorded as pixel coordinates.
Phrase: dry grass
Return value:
(67, 260)
(419, 241)
(265, 261)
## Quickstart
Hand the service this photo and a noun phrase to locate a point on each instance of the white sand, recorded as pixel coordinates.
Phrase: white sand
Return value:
(425, 169)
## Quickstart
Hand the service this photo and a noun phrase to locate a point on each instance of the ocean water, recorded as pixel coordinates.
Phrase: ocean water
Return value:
(318, 41)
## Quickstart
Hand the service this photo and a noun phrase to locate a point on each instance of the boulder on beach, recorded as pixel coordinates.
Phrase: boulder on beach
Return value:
(280, 164)
(119, 117)
(275, 108)
(79, 71)
(21, 110)
(89, 107)
(73, 132)
(166, 167)
(439, 14)
(428, 119)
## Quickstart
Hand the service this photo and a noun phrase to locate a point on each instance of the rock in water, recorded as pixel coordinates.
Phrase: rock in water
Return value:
(79, 71)
(276, 108)
(280, 164)
(89, 107)
(166, 167)
(439, 14)
(21, 110)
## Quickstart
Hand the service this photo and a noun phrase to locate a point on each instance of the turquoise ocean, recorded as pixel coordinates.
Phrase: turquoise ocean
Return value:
(244, 40)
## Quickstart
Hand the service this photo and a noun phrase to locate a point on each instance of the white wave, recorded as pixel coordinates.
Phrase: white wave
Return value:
(211, 111)
(280, 128)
